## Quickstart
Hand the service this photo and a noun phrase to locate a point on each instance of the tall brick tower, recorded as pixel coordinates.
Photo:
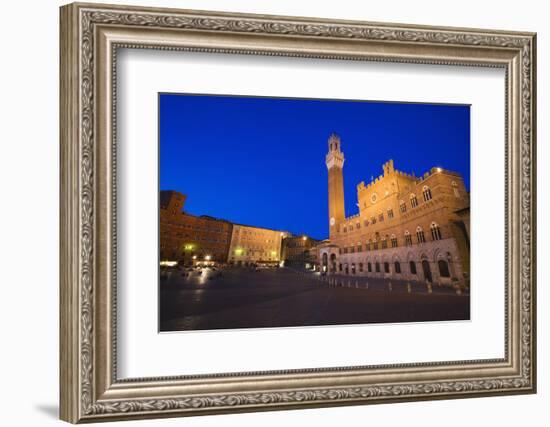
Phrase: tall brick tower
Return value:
(335, 164)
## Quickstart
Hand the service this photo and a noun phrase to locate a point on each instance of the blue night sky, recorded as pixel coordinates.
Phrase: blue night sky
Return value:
(261, 161)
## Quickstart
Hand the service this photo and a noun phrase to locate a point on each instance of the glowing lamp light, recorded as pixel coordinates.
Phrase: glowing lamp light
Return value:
(304, 238)
(194, 256)
(238, 251)
(438, 169)
(207, 257)
(168, 263)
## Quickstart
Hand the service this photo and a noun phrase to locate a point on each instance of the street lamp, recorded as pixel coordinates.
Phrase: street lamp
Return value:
(207, 257)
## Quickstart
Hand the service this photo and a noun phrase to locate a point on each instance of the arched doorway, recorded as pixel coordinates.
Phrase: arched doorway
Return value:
(443, 268)
(333, 263)
(324, 266)
(427, 271)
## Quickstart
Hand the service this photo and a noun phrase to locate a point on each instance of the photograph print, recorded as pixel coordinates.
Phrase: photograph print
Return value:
(291, 212)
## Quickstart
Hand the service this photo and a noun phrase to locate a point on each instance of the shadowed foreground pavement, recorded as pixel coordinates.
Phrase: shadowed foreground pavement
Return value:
(240, 298)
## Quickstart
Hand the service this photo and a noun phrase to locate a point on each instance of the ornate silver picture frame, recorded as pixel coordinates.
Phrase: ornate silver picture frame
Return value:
(91, 390)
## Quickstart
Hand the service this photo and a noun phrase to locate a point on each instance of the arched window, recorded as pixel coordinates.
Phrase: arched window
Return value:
(443, 268)
(402, 206)
(386, 267)
(420, 235)
(397, 267)
(377, 267)
(390, 213)
(375, 244)
(455, 189)
(393, 241)
(360, 267)
(408, 238)
(381, 217)
(369, 267)
(412, 267)
(373, 220)
(414, 201)
(427, 193)
(384, 243)
(436, 231)
(367, 246)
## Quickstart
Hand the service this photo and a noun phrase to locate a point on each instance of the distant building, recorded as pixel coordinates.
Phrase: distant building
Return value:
(408, 227)
(299, 251)
(254, 245)
(189, 238)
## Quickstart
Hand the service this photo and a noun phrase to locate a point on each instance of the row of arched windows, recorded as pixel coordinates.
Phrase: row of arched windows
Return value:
(426, 195)
(377, 267)
(375, 243)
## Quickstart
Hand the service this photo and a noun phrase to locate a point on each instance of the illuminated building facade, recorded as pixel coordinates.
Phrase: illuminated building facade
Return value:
(254, 245)
(190, 238)
(407, 227)
(299, 251)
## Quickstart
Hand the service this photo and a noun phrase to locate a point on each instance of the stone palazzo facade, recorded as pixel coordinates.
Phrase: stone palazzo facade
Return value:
(255, 245)
(407, 228)
(190, 239)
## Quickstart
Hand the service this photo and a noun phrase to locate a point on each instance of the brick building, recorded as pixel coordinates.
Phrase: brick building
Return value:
(299, 251)
(407, 227)
(189, 238)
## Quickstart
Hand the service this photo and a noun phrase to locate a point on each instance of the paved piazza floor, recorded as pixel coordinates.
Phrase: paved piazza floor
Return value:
(241, 298)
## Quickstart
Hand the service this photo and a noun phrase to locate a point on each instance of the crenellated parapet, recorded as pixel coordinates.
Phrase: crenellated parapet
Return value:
(335, 156)
(389, 170)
